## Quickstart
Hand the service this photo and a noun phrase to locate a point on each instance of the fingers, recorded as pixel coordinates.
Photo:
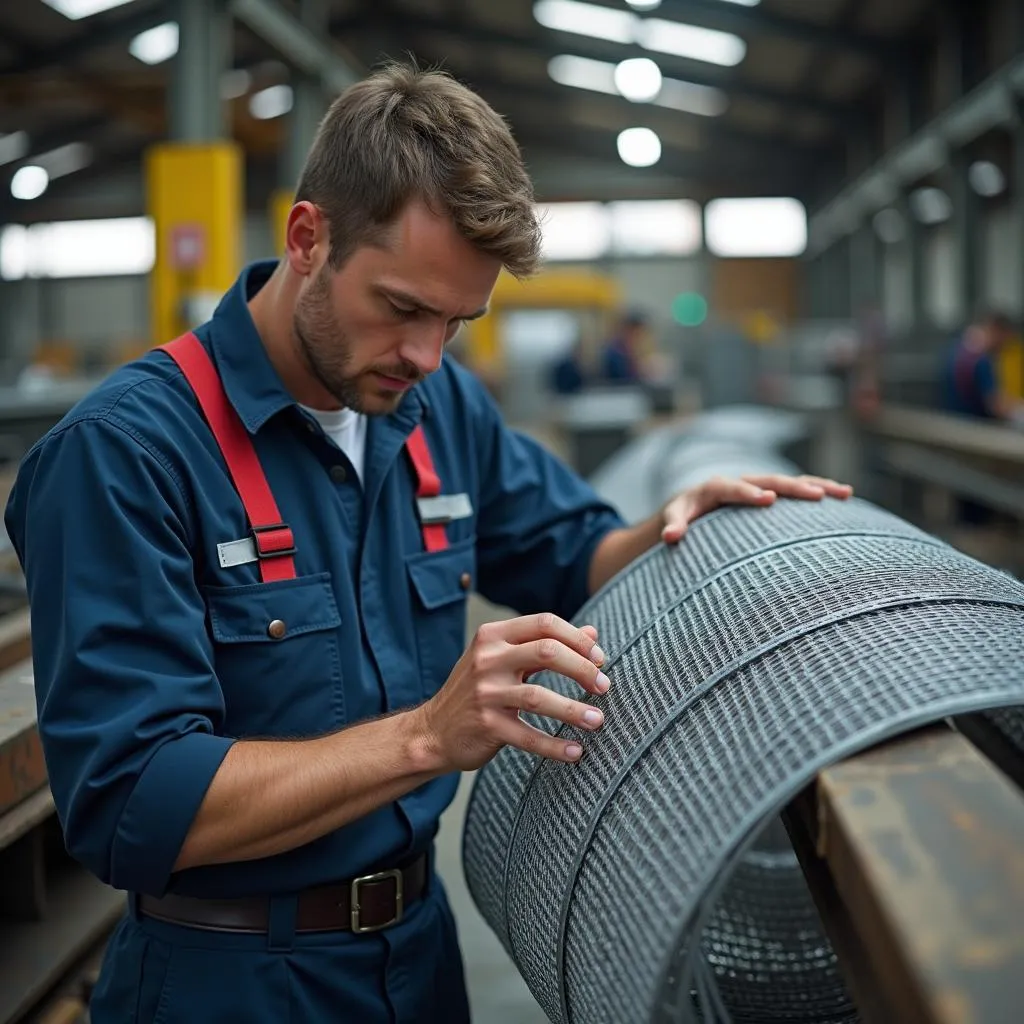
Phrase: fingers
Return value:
(517, 733)
(548, 654)
(545, 625)
(807, 487)
(539, 700)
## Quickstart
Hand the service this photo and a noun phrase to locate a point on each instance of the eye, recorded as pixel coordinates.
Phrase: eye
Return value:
(402, 312)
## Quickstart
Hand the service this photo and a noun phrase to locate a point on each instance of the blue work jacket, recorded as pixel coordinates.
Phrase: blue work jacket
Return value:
(151, 658)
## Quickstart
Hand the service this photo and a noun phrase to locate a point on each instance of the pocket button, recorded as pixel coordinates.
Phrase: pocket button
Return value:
(276, 629)
(464, 580)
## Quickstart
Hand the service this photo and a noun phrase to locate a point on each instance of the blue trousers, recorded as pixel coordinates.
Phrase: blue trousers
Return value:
(411, 973)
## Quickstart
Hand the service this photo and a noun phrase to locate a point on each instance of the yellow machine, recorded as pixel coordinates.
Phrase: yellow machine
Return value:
(595, 297)
(1010, 368)
(194, 195)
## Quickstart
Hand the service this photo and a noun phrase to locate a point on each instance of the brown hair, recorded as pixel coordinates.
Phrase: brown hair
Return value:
(403, 134)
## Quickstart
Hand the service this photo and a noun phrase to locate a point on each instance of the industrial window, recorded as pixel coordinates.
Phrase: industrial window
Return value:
(755, 227)
(575, 231)
(78, 248)
(669, 227)
(588, 231)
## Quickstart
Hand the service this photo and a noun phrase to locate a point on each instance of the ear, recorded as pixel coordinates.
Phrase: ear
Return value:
(307, 239)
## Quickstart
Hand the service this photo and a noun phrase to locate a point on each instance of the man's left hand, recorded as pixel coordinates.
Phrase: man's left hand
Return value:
(684, 508)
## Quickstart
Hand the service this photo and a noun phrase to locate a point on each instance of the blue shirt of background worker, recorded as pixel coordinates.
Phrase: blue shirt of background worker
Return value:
(620, 360)
(970, 381)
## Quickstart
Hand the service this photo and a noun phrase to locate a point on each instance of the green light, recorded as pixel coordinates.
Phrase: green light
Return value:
(689, 309)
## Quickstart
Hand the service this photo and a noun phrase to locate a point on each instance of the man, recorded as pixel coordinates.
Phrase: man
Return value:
(970, 380)
(248, 559)
(622, 356)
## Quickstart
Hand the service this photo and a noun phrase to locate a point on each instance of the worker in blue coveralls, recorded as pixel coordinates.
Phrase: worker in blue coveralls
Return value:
(248, 556)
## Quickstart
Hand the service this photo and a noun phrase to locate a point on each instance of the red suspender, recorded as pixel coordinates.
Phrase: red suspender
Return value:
(428, 485)
(274, 542)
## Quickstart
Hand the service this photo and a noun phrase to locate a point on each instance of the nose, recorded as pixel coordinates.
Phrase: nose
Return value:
(423, 346)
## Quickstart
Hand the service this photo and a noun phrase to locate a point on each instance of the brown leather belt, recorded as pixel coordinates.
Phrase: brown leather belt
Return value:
(365, 904)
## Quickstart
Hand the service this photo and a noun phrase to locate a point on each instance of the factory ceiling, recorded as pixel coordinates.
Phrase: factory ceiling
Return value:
(772, 101)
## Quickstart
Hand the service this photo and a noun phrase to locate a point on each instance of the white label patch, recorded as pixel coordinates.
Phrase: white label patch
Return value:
(236, 552)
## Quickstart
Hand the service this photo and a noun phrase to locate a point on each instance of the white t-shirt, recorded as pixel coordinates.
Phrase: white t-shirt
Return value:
(347, 429)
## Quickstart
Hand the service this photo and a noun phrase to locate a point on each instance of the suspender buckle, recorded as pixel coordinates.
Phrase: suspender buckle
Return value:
(273, 540)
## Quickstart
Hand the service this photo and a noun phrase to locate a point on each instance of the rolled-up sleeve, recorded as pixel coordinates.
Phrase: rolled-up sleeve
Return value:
(128, 701)
(539, 523)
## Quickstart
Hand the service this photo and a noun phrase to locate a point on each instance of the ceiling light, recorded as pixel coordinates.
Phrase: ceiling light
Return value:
(655, 34)
(888, 225)
(13, 147)
(586, 19)
(931, 205)
(638, 79)
(29, 182)
(600, 76)
(76, 9)
(639, 147)
(643, 5)
(691, 41)
(65, 159)
(745, 3)
(705, 100)
(271, 102)
(986, 178)
(235, 83)
(155, 45)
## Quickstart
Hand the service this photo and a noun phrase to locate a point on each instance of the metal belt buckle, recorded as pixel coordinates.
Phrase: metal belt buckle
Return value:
(357, 925)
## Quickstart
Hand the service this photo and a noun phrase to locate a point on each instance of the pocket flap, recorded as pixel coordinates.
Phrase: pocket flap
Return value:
(442, 577)
(244, 614)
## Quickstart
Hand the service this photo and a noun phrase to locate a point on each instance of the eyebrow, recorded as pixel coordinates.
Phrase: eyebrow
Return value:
(411, 300)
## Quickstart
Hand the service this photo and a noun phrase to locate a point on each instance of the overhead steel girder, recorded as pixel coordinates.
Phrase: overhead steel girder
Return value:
(545, 45)
(106, 33)
(299, 45)
(707, 166)
(726, 141)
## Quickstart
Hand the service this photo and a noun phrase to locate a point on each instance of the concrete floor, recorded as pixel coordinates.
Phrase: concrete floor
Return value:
(497, 993)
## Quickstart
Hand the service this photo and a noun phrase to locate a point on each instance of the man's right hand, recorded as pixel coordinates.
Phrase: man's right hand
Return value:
(476, 712)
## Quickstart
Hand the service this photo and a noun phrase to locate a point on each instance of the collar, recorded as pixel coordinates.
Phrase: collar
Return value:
(250, 381)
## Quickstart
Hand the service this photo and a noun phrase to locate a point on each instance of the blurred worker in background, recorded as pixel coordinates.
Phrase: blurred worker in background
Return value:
(248, 557)
(970, 377)
(622, 360)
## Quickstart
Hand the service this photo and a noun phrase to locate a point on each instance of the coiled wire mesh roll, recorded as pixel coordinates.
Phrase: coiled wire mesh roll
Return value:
(651, 881)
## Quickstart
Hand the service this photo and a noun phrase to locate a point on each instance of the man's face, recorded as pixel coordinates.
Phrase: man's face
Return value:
(371, 330)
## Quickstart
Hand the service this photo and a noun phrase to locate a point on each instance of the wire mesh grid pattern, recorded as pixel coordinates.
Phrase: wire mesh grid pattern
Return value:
(771, 643)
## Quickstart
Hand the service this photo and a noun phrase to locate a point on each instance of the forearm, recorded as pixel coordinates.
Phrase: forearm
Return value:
(620, 547)
(271, 796)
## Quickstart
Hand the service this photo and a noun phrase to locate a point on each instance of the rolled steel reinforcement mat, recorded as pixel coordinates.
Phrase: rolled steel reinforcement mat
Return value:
(652, 882)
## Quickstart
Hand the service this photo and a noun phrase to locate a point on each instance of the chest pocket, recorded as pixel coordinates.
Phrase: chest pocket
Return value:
(441, 582)
(277, 656)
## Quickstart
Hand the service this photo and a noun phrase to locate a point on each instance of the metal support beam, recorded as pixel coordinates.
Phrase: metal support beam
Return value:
(308, 105)
(912, 852)
(913, 243)
(966, 226)
(1017, 171)
(303, 49)
(196, 110)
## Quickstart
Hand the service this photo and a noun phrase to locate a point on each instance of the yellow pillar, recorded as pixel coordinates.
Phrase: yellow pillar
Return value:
(195, 197)
(280, 206)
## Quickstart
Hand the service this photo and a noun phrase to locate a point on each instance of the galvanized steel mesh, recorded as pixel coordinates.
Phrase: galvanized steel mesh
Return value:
(652, 882)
